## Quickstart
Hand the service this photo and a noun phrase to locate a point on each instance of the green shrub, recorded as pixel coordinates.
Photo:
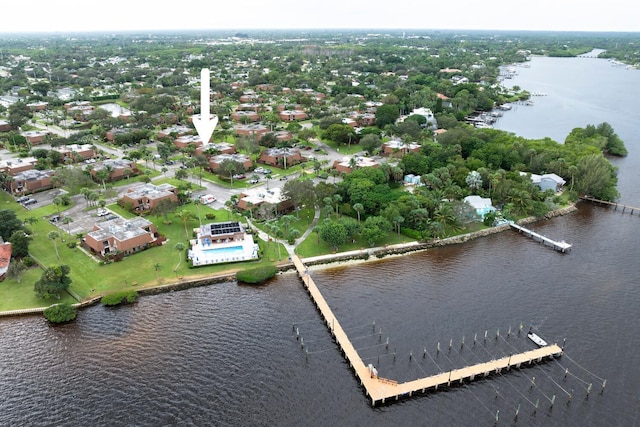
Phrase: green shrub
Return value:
(60, 313)
(257, 275)
(71, 245)
(117, 298)
(210, 216)
(28, 261)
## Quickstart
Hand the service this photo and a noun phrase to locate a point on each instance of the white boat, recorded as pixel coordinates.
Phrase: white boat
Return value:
(536, 339)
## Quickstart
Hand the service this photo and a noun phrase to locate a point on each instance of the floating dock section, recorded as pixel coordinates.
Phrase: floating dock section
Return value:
(561, 246)
(382, 390)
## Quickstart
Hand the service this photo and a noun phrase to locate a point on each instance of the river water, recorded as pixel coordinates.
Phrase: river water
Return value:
(228, 354)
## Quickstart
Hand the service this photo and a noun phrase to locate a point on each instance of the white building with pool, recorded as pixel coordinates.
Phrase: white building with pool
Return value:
(222, 242)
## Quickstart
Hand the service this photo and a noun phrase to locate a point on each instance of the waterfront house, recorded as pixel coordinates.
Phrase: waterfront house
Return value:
(126, 236)
(254, 198)
(548, 181)
(481, 205)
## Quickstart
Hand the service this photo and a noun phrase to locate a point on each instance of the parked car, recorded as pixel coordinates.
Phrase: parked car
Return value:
(283, 178)
(29, 201)
(239, 176)
(103, 212)
(22, 199)
(254, 181)
(110, 217)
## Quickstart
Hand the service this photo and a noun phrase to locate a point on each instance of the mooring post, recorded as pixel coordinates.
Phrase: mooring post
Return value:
(604, 384)
(517, 411)
(387, 345)
(497, 334)
(438, 349)
(485, 335)
(536, 407)
(475, 338)
(566, 372)
(462, 345)
(553, 400)
(497, 415)
(302, 342)
(374, 325)
(450, 344)
(297, 334)
(424, 353)
(570, 397)
(380, 336)
(306, 352)
(564, 342)
(520, 329)
(533, 382)
(411, 355)
(589, 390)
(509, 332)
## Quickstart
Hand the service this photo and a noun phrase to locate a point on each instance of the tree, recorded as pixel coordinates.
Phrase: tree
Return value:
(375, 228)
(596, 177)
(19, 244)
(300, 192)
(359, 208)
(179, 247)
(53, 235)
(386, 115)
(54, 280)
(67, 220)
(157, 266)
(9, 223)
(474, 181)
(333, 233)
(186, 216)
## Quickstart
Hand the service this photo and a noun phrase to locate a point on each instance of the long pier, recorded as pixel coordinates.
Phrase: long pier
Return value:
(561, 246)
(615, 205)
(382, 390)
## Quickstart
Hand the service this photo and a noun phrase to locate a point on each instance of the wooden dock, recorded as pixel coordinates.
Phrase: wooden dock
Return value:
(561, 246)
(382, 390)
(615, 206)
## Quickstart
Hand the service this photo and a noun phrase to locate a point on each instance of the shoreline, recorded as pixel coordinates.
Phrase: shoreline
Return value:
(318, 262)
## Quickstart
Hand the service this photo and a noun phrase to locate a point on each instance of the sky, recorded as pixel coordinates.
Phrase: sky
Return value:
(146, 15)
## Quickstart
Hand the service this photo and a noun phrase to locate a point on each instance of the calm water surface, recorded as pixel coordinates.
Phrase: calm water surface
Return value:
(228, 354)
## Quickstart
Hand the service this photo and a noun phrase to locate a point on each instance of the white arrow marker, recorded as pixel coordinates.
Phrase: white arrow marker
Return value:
(205, 124)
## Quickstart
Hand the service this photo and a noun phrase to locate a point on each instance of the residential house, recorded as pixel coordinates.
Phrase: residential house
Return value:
(185, 140)
(348, 164)
(281, 157)
(216, 161)
(126, 236)
(76, 152)
(5, 126)
(399, 148)
(31, 181)
(145, 197)
(16, 165)
(548, 181)
(251, 129)
(177, 130)
(117, 168)
(481, 205)
(254, 198)
(292, 115)
(35, 137)
(248, 116)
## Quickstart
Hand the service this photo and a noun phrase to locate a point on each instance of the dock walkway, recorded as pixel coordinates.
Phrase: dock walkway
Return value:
(615, 205)
(561, 246)
(382, 390)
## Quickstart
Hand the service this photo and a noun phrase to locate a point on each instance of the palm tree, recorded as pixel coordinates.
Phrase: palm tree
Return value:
(53, 235)
(157, 268)
(178, 247)
(358, 207)
(186, 216)
(67, 220)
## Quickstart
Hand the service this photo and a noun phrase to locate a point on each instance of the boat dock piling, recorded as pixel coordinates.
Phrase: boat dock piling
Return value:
(382, 390)
(561, 246)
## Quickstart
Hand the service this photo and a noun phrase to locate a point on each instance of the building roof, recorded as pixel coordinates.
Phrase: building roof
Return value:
(257, 196)
(221, 228)
(150, 191)
(33, 175)
(478, 202)
(120, 229)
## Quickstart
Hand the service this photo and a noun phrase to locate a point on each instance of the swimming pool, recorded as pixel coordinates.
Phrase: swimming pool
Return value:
(228, 252)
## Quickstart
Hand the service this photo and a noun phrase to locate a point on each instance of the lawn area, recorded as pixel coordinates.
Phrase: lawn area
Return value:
(90, 277)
